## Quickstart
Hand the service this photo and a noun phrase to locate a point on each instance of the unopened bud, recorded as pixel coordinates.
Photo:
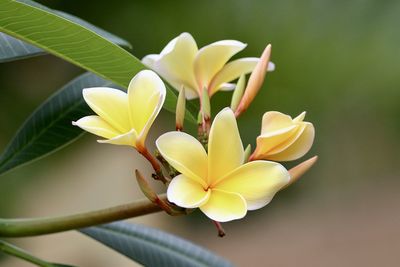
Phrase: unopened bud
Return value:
(298, 171)
(255, 81)
(247, 153)
(238, 93)
(145, 187)
(205, 104)
(153, 197)
(180, 109)
(199, 118)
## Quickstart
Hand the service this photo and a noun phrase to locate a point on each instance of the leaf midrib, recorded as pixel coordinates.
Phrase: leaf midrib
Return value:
(44, 129)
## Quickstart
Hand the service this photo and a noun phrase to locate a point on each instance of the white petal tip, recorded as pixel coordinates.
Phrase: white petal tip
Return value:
(271, 67)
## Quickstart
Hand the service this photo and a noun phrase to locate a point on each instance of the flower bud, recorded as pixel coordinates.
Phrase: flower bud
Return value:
(247, 153)
(255, 81)
(299, 170)
(180, 109)
(238, 93)
(283, 138)
(205, 104)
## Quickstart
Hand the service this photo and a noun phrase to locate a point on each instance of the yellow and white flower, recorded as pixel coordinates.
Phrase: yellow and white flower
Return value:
(124, 118)
(220, 183)
(283, 138)
(181, 63)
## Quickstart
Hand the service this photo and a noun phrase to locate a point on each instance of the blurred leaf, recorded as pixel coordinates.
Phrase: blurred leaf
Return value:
(14, 49)
(49, 127)
(73, 43)
(152, 247)
(22, 254)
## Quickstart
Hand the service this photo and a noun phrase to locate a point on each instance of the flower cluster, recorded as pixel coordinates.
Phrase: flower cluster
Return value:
(215, 173)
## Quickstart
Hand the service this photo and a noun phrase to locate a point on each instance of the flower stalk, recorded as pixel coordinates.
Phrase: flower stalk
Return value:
(158, 175)
(50, 225)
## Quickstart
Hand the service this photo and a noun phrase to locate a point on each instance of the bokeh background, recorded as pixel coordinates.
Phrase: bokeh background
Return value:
(338, 60)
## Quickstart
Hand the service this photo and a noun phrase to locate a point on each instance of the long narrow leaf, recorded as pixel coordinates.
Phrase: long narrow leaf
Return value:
(49, 126)
(74, 43)
(152, 247)
(14, 49)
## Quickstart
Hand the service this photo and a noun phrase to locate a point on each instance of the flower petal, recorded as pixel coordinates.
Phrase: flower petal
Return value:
(227, 87)
(232, 71)
(96, 125)
(224, 206)
(186, 192)
(225, 148)
(275, 121)
(256, 181)
(300, 118)
(299, 147)
(146, 94)
(271, 66)
(126, 139)
(111, 105)
(175, 62)
(185, 154)
(150, 60)
(276, 141)
(211, 58)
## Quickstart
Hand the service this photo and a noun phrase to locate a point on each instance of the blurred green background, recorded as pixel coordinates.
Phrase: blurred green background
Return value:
(337, 60)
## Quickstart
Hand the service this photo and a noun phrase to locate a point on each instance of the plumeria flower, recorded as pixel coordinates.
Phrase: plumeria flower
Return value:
(283, 138)
(220, 183)
(182, 63)
(124, 118)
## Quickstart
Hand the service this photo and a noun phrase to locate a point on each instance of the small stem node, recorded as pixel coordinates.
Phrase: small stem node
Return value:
(220, 229)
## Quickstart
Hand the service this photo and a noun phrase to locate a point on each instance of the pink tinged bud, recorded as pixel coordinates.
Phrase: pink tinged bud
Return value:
(180, 109)
(238, 93)
(256, 80)
(299, 170)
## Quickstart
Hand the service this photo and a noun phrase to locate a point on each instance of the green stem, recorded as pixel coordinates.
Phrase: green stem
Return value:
(19, 253)
(49, 225)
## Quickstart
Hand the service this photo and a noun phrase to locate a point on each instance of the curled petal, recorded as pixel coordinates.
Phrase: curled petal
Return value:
(299, 147)
(227, 87)
(128, 139)
(185, 154)
(146, 94)
(186, 192)
(300, 118)
(277, 140)
(271, 66)
(224, 206)
(175, 62)
(96, 125)
(150, 60)
(256, 181)
(211, 58)
(275, 121)
(111, 105)
(225, 148)
(232, 71)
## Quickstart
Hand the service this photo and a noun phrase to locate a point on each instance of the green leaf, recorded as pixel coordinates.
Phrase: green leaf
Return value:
(22, 254)
(74, 43)
(49, 127)
(152, 247)
(14, 49)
